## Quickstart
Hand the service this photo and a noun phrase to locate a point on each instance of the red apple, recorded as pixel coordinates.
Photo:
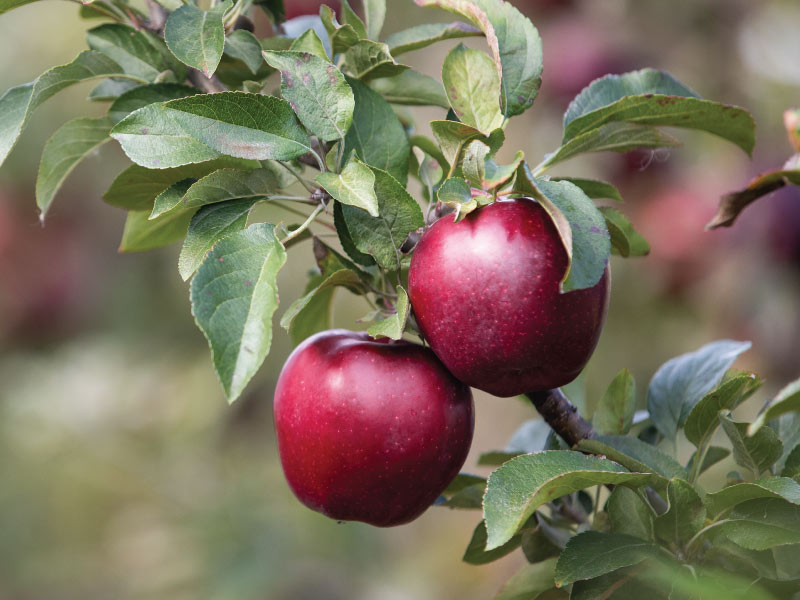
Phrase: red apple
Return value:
(369, 430)
(485, 292)
(298, 8)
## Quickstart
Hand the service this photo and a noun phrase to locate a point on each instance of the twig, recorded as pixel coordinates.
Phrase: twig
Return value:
(561, 415)
(210, 85)
(158, 17)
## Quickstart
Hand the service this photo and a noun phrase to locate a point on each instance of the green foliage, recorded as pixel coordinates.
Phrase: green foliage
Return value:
(234, 296)
(64, 150)
(614, 413)
(211, 138)
(467, 75)
(197, 37)
(683, 382)
(650, 97)
(317, 91)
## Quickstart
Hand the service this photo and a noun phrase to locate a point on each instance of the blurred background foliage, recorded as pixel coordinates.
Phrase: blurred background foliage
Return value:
(123, 473)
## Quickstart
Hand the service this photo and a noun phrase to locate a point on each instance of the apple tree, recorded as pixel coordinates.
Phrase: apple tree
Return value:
(496, 276)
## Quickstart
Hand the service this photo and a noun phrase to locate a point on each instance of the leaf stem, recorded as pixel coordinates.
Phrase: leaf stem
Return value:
(302, 181)
(305, 225)
(701, 533)
(301, 214)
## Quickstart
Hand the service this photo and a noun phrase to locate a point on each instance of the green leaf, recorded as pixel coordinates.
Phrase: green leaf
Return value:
(457, 193)
(311, 43)
(543, 542)
(375, 13)
(382, 236)
(197, 37)
(526, 482)
(593, 188)
(473, 162)
(614, 412)
(241, 125)
(465, 491)
(275, 10)
(354, 186)
(476, 553)
(341, 36)
(348, 245)
(222, 185)
(136, 188)
(152, 138)
(767, 487)
(680, 383)
(473, 87)
(111, 89)
(788, 428)
(529, 437)
(394, 326)
(234, 295)
(713, 455)
(7, 5)
(634, 454)
(787, 400)
(614, 137)
(579, 223)
(311, 313)
(244, 46)
(131, 49)
(317, 298)
(703, 420)
(139, 97)
(685, 515)
(529, 582)
(763, 524)
(591, 554)
(757, 452)
(624, 238)
(141, 234)
(495, 176)
(317, 91)
(791, 467)
(351, 18)
(422, 36)
(650, 97)
(621, 582)
(370, 60)
(412, 88)
(695, 584)
(316, 314)
(629, 514)
(453, 137)
(377, 136)
(209, 225)
(64, 150)
(514, 43)
(17, 104)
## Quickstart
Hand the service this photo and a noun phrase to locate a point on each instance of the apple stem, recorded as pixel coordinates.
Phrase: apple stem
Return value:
(561, 415)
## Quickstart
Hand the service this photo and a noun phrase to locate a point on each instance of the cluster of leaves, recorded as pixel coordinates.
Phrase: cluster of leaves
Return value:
(734, 203)
(649, 528)
(196, 105)
(312, 121)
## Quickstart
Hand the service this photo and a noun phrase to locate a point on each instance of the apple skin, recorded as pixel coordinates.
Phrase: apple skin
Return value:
(298, 8)
(370, 430)
(485, 293)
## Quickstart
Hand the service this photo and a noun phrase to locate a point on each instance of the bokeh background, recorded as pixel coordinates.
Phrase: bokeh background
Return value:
(123, 472)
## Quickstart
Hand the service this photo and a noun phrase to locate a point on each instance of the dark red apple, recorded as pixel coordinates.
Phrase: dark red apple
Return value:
(298, 8)
(485, 292)
(369, 430)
